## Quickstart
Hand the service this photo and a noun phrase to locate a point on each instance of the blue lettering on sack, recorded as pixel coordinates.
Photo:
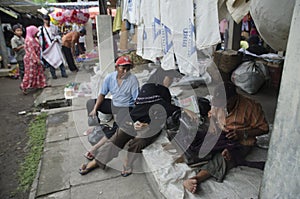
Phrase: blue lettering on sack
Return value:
(192, 45)
(167, 45)
(144, 35)
(188, 40)
(156, 28)
(185, 37)
(130, 5)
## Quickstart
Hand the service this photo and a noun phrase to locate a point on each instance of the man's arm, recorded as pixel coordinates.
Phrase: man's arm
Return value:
(81, 51)
(99, 101)
(75, 40)
(18, 48)
(15, 47)
(245, 134)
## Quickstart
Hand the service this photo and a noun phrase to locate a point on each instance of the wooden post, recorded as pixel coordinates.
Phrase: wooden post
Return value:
(124, 37)
(3, 48)
(234, 35)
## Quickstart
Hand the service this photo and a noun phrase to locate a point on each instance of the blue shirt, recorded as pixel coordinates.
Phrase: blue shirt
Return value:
(123, 95)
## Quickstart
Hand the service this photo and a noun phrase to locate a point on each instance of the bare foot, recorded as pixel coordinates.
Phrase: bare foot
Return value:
(226, 154)
(190, 185)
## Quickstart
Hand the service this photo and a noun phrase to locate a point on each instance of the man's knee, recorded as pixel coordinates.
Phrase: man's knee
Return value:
(136, 145)
(90, 105)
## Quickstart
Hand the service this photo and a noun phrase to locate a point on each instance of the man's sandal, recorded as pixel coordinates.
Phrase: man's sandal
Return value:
(85, 170)
(127, 171)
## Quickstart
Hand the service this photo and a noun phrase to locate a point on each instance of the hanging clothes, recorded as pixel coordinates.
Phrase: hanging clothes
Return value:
(149, 45)
(207, 23)
(179, 36)
(117, 24)
(131, 11)
(168, 60)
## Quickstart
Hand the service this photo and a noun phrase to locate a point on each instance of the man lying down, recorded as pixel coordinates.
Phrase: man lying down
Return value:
(239, 120)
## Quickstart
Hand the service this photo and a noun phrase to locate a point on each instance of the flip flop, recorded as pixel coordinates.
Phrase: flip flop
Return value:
(126, 172)
(84, 170)
(25, 92)
(88, 155)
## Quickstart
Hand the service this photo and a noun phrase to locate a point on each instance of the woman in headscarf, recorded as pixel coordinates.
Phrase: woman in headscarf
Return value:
(34, 76)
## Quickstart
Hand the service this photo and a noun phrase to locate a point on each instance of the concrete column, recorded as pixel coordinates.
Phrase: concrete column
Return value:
(234, 35)
(3, 48)
(89, 42)
(105, 43)
(281, 176)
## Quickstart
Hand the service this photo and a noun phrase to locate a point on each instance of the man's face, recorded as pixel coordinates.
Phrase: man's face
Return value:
(19, 32)
(123, 71)
(46, 21)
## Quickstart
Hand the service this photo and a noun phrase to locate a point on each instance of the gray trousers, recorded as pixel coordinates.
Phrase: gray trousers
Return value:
(117, 142)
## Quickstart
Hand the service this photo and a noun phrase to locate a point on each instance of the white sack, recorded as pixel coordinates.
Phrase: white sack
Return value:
(207, 23)
(53, 55)
(131, 11)
(168, 61)
(178, 36)
(273, 19)
(149, 45)
(238, 9)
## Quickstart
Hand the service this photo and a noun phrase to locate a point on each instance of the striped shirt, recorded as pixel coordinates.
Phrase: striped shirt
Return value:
(247, 114)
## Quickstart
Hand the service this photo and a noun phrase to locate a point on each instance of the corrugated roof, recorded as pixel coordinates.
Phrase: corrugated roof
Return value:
(21, 6)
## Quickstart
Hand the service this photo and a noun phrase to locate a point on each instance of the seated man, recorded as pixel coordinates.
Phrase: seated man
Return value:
(163, 77)
(240, 120)
(254, 46)
(142, 126)
(123, 87)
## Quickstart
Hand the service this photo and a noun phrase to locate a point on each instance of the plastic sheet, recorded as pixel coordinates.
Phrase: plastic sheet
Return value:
(240, 182)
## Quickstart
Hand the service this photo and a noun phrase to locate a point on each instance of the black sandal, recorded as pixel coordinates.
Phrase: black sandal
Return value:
(127, 171)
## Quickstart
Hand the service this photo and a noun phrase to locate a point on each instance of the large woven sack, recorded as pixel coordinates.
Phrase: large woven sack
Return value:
(227, 60)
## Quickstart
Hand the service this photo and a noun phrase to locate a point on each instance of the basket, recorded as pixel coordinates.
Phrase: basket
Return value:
(227, 60)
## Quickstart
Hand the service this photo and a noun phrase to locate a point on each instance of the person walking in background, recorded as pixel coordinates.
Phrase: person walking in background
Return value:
(68, 47)
(48, 34)
(34, 72)
(17, 44)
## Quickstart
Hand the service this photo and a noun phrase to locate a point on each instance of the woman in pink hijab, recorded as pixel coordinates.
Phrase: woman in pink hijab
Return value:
(34, 76)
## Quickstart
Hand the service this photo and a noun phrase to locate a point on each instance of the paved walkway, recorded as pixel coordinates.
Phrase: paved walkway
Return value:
(65, 145)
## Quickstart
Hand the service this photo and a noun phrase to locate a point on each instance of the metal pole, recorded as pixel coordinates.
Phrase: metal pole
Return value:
(102, 7)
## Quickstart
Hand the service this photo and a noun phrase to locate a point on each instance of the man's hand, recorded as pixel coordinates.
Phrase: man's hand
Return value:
(191, 114)
(234, 134)
(93, 113)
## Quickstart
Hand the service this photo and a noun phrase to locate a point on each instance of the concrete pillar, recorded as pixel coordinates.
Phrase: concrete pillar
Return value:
(105, 43)
(281, 176)
(123, 37)
(89, 42)
(234, 35)
(3, 48)
(134, 37)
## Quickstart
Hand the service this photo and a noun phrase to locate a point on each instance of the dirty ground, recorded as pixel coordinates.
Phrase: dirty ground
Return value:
(13, 135)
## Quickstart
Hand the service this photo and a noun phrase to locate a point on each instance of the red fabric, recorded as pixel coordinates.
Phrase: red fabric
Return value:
(34, 72)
